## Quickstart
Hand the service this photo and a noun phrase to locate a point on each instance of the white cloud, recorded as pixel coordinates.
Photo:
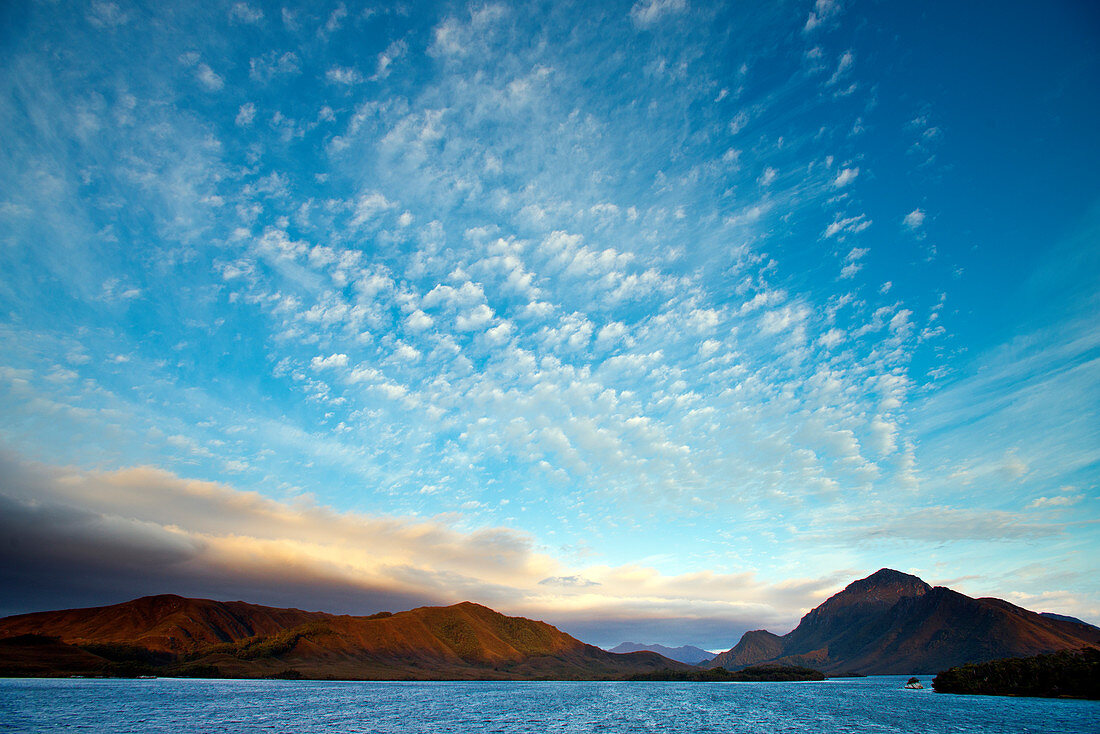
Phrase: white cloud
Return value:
(936, 524)
(1061, 500)
(406, 352)
(566, 252)
(823, 11)
(467, 294)
(762, 299)
(843, 66)
(455, 38)
(107, 15)
(246, 114)
(272, 64)
(737, 124)
(474, 319)
(884, 436)
(208, 78)
(645, 13)
(849, 225)
(831, 338)
(336, 18)
(245, 13)
(768, 176)
(783, 319)
(1013, 467)
(703, 320)
(446, 39)
(369, 206)
(900, 324)
(845, 177)
(610, 335)
(330, 362)
(500, 333)
(914, 220)
(418, 320)
(538, 309)
(394, 51)
(276, 244)
(343, 75)
(709, 347)
(572, 333)
(850, 270)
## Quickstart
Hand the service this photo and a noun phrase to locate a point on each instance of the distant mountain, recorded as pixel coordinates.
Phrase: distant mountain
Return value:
(684, 653)
(1067, 618)
(174, 635)
(892, 622)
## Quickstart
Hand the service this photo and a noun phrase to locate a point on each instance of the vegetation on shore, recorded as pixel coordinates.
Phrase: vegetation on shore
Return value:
(752, 674)
(1065, 674)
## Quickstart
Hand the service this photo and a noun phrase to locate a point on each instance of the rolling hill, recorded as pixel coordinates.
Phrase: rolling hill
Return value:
(175, 635)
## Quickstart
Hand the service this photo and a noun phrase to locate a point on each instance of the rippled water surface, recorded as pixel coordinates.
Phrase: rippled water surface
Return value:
(878, 704)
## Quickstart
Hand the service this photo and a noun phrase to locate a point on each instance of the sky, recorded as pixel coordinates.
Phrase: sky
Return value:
(659, 321)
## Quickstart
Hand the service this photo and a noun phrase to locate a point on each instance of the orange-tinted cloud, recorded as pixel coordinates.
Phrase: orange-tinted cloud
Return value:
(77, 537)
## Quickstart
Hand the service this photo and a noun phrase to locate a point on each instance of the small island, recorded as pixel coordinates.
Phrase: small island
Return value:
(1065, 674)
(751, 674)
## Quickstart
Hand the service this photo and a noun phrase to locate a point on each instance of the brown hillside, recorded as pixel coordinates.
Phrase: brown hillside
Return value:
(165, 623)
(37, 655)
(236, 639)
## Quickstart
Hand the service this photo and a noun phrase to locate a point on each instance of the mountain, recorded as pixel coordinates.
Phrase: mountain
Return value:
(165, 623)
(175, 635)
(684, 653)
(1066, 618)
(754, 647)
(894, 623)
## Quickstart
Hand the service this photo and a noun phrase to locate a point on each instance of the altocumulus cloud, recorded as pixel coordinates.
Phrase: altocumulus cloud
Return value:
(560, 275)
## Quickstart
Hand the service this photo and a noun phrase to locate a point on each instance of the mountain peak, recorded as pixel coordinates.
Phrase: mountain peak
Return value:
(892, 622)
(876, 593)
(159, 600)
(888, 577)
(882, 588)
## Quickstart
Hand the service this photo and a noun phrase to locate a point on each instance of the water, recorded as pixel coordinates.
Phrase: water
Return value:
(878, 704)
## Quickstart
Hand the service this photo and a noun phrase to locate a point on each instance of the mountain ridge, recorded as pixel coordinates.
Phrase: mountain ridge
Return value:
(894, 623)
(888, 622)
(688, 654)
(238, 639)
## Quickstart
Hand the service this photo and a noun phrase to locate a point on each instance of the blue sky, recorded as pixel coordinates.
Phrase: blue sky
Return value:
(657, 320)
